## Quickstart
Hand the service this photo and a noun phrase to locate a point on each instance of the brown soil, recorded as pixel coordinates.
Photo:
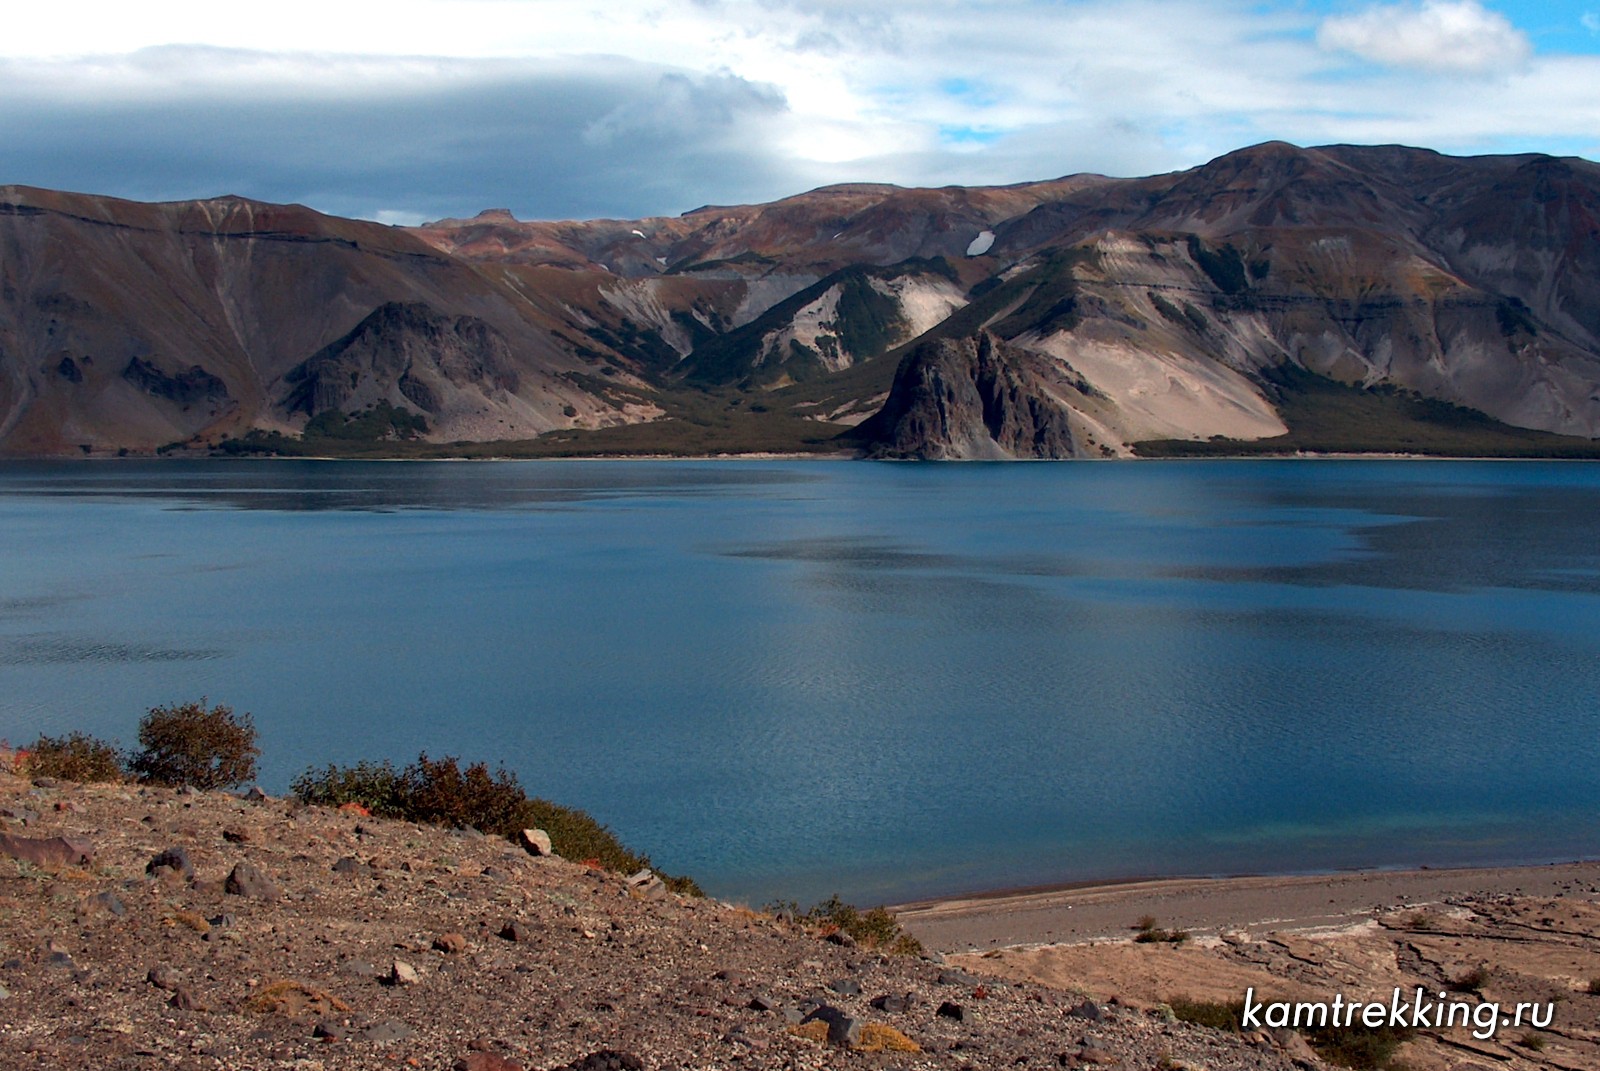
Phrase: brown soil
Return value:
(431, 948)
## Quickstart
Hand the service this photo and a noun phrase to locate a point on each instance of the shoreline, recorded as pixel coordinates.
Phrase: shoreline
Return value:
(1086, 912)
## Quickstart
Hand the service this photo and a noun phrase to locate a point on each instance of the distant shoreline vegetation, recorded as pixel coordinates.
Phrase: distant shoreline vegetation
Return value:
(1323, 415)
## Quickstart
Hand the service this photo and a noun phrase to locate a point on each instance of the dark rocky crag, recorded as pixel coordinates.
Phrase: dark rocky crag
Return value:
(974, 399)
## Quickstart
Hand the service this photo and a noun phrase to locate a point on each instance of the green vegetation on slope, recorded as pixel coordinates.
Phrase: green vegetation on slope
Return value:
(439, 792)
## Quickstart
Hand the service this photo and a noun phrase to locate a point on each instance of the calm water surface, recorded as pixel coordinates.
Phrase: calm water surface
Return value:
(796, 678)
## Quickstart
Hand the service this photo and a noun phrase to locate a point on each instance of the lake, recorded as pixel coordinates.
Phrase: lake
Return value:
(795, 678)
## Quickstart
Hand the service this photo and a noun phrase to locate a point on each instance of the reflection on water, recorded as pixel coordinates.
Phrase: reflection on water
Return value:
(296, 486)
(796, 678)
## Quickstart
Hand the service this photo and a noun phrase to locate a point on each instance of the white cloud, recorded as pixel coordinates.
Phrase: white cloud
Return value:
(1440, 35)
(1591, 21)
(634, 107)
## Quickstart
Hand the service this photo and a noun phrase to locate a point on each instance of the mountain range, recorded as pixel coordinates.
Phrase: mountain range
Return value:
(1275, 299)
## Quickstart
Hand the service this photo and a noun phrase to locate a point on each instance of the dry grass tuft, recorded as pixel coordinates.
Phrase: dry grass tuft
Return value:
(878, 1037)
(294, 999)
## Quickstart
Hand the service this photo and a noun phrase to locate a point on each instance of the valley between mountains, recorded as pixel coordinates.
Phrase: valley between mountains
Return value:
(1275, 300)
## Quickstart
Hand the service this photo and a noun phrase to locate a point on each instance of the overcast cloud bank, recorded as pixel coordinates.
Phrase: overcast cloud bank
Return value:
(430, 108)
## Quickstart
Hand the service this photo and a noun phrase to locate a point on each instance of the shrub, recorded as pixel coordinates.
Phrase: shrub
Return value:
(1150, 933)
(375, 786)
(1216, 1014)
(191, 744)
(874, 928)
(74, 757)
(1594, 987)
(1470, 981)
(1359, 1046)
(440, 792)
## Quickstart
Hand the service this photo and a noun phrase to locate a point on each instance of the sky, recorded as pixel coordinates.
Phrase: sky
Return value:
(408, 110)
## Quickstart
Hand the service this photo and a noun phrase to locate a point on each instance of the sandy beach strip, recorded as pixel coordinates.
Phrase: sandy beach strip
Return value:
(1208, 906)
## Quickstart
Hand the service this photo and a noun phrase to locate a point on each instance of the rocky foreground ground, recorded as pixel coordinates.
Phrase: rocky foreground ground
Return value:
(306, 938)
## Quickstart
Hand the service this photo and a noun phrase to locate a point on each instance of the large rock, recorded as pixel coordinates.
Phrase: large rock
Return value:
(975, 399)
(174, 859)
(47, 852)
(247, 880)
(536, 842)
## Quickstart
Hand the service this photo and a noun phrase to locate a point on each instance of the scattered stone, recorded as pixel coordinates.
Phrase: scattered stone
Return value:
(843, 1030)
(645, 886)
(45, 782)
(222, 921)
(1088, 1010)
(352, 866)
(328, 1030)
(183, 999)
(739, 1036)
(359, 968)
(450, 943)
(19, 814)
(255, 794)
(5, 994)
(246, 880)
(794, 1014)
(536, 842)
(893, 1005)
(606, 1060)
(163, 977)
(47, 852)
(486, 1061)
(951, 1010)
(174, 859)
(1093, 1052)
(403, 973)
(107, 901)
(956, 978)
(1293, 1045)
(387, 1030)
(520, 932)
(762, 1003)
(840, 938)
(235, 836)
(845, 987)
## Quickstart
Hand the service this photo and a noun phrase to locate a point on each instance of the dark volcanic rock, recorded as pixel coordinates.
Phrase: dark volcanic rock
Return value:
(843, 1030)
(973, 399)
(607, 1060)
(246, 880)
(173, 859)
(387, 1030)
(402, 352)
(187, 387)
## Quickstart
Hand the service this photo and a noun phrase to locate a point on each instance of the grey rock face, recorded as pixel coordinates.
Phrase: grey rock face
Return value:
(973, 399)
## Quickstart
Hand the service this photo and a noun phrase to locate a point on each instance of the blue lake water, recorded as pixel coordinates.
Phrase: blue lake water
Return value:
(886, 680)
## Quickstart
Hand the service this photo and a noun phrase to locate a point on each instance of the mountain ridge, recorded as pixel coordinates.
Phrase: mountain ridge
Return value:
(1471, 281)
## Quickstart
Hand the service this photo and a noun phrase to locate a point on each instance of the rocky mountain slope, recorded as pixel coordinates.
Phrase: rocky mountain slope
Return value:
(1189, 306)
(144, 928)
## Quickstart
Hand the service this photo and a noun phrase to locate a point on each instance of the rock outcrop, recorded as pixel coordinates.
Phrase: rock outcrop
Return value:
(974, 399)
